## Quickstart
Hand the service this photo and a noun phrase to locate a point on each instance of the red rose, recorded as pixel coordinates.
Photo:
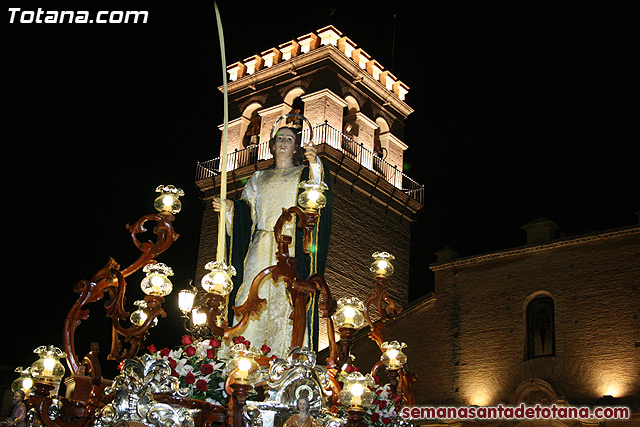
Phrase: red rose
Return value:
(375, 418)
(380, 403)
(356, 369)
(190, 378)
(206, 369)
(238, 340)
(348, 369)
(397, 398)
(211, 354)
(386, 421)
(201, 385)
(172, 363)
(375, 378)
(274, 357)
(186, 340)
(265, 349)
(247, 343)
(152, 349)
(215, 343)
(190, 351)
(175, 373)
(165, 352)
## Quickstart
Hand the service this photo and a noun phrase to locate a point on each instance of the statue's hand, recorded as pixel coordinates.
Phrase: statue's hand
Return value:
(216, 204)
(311, 153)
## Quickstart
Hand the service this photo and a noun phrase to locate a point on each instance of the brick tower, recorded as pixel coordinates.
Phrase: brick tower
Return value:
(357, 112)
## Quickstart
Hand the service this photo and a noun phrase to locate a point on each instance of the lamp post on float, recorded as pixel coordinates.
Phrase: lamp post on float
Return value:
(394, 359)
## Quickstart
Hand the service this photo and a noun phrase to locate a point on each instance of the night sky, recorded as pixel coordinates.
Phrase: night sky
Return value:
(522, 110)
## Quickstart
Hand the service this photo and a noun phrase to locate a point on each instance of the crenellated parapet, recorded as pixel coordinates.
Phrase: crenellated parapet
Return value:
(325, 38)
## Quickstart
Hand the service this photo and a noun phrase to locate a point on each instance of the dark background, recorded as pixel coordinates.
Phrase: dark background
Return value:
(522, 109)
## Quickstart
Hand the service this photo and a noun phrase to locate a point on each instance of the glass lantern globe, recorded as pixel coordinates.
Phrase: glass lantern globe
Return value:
(218, 281)
(139, 316)
(186, 299)
(48, 369)
(156, 281)
(242, 366)
(382, 266)
(168, 200)
(24, 382)
(356, 392)
(198, 317)
(312, 199)
(393, 357)
(349, 313)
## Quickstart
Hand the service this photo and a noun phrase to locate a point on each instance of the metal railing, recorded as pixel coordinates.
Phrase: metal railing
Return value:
(327, 134)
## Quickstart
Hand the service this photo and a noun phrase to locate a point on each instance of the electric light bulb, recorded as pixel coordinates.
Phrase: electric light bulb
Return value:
(244, 364)
(49, 363)
(357, 390)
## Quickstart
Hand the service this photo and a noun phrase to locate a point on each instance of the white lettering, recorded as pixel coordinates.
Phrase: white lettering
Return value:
(27, 17)
(136, 13)
(82, 17)
(99, 19)
(13, 11)
(39, 16)
(116, 13)
(52, 17)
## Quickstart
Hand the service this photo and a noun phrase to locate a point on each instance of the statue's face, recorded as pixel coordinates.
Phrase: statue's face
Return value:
(285, 144)
(17, 397)
(303, 406)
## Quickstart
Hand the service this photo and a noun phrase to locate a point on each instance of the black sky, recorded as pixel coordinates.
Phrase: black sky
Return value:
(522, 109)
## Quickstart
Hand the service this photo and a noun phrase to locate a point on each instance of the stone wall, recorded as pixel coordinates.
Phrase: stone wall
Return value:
(467, 341)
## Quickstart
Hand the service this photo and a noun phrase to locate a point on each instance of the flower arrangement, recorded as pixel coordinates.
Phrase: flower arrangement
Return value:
(384, 410)
(195, 363)
(200, 365)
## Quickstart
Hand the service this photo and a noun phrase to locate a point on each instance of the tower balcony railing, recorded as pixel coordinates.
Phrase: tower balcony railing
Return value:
(323, 133)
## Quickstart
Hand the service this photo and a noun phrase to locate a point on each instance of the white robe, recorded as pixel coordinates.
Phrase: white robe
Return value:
(268, 192)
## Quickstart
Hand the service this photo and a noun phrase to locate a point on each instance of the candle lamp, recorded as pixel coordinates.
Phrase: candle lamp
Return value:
(24, 382)
(156, 282)
(355, 393)
(186, 299)
(242, 366)
(48, 369)
(168, 201)
(218, 280)
(312, 199)
(381, 265)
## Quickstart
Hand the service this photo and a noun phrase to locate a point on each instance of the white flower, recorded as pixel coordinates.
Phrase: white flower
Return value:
(201, 349)
(175, 354)
(183, 368)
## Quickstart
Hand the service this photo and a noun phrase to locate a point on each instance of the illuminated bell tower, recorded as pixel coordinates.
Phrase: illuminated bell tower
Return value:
(357, 111)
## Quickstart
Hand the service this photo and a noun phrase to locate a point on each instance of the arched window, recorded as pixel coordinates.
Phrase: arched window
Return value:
(541, 335)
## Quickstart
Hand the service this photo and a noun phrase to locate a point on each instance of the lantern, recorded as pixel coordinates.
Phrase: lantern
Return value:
(157, 282)
(48, 369)
(218, 281)
(349, 313)
(382, 266)
(242, 366)
(167, 201)
(312, 199)
(356, 392)
(393, 357)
